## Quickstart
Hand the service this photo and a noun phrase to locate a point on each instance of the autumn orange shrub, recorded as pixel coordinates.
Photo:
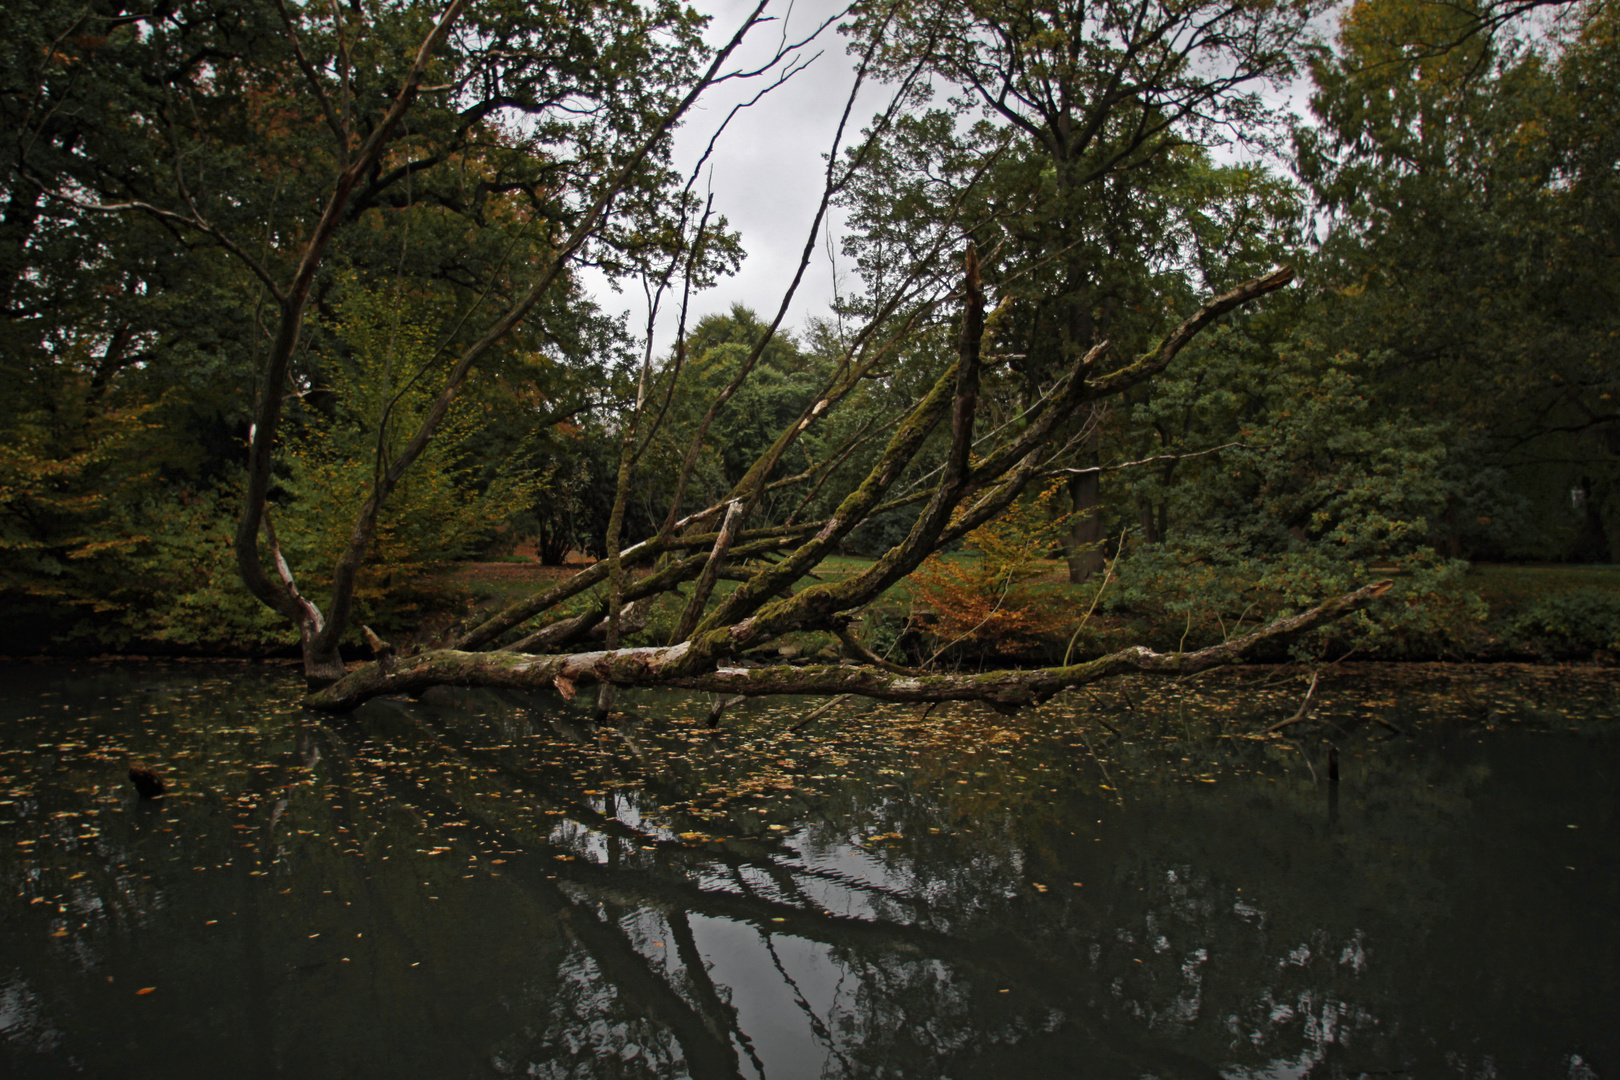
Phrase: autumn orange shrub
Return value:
(986, 602)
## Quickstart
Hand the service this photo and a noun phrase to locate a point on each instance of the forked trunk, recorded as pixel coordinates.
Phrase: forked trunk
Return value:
(322, 667)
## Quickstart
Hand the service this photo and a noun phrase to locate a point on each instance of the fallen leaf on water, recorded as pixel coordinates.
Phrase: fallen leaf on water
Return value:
(63, 933)
(145, 990)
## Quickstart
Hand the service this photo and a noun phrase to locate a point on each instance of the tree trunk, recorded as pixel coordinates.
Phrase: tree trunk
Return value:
(660, 666)
(322, 666)
(1082, 544)
(1148, 527)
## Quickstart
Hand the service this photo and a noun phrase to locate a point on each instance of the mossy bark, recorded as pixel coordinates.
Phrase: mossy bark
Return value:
(662, 666)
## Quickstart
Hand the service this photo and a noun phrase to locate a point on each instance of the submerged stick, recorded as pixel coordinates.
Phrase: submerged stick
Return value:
(1304, 709)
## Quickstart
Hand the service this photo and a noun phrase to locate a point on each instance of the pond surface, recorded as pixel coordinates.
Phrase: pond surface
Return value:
(1124, 885)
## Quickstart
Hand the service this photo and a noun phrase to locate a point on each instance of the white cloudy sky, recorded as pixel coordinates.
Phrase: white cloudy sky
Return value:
(767, 171)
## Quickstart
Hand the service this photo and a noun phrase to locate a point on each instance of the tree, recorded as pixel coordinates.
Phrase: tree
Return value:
(165, 158)
(1070, 148)
(193, 94)
(245, 88)
(1471, 195)
(974, 485)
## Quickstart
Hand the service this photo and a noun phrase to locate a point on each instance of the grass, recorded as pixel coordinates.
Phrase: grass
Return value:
(1506, 587)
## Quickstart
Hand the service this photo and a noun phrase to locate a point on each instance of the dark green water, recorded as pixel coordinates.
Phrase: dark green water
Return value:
(479, 885)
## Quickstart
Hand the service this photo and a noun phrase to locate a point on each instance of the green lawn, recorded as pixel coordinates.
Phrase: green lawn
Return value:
(1504, 586)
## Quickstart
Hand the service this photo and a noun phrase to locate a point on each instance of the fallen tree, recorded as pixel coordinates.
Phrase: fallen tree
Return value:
(977, 480)
(944, 462)
(1005, 689)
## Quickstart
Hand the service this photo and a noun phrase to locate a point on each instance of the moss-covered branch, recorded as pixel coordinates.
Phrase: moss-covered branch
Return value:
(662, 666)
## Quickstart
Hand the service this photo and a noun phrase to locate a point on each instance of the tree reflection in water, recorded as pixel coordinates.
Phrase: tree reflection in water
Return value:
(481, 885)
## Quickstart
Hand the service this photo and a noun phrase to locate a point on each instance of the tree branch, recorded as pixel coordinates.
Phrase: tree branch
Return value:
(659, 666)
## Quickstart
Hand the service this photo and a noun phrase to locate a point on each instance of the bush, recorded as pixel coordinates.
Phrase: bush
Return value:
(1563, 624)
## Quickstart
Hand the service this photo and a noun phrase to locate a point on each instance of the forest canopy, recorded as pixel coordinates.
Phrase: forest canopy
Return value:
(294, 316)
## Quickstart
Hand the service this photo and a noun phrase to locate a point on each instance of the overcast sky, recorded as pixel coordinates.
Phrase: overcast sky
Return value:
(767, 171)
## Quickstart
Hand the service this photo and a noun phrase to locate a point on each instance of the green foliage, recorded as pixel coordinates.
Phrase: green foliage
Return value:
(178, 588)
(1474, 239)
(240, 116)
(60, 471)
(1564, 624)
(446, 506)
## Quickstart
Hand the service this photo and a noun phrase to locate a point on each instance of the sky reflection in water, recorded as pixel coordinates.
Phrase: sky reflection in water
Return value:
(483, 885)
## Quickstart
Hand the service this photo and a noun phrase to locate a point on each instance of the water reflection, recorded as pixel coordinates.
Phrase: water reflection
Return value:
(475, 884)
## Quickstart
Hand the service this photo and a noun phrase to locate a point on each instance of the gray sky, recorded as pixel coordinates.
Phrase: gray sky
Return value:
(767, 171)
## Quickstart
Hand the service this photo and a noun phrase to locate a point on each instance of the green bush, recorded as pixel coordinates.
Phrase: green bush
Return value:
(1568, 622)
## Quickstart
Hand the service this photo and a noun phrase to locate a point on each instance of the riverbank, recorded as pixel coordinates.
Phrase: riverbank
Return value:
(1537, 614)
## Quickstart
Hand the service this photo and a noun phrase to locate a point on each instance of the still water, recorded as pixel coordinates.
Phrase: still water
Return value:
(1123, 884)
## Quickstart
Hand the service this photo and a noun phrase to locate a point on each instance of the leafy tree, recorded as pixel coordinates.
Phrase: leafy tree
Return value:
(1472, 248)
(268, 146)
(986, 603)
(1070, 149)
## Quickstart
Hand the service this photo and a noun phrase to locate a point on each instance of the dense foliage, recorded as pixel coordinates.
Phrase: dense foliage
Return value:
(1438, 387)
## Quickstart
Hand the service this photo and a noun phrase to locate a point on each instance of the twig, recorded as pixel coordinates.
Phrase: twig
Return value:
(1096, 599)
(1307, 759)
(1396, 728)
(720, 705)
(1114, 787)
(1304, 708)
(1116, 732)
(818, 712)
(1144, 461)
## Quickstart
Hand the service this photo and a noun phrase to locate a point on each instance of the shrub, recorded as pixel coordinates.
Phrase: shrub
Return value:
(1564, 623)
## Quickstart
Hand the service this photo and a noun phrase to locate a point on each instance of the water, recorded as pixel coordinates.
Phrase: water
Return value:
(482, 885)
